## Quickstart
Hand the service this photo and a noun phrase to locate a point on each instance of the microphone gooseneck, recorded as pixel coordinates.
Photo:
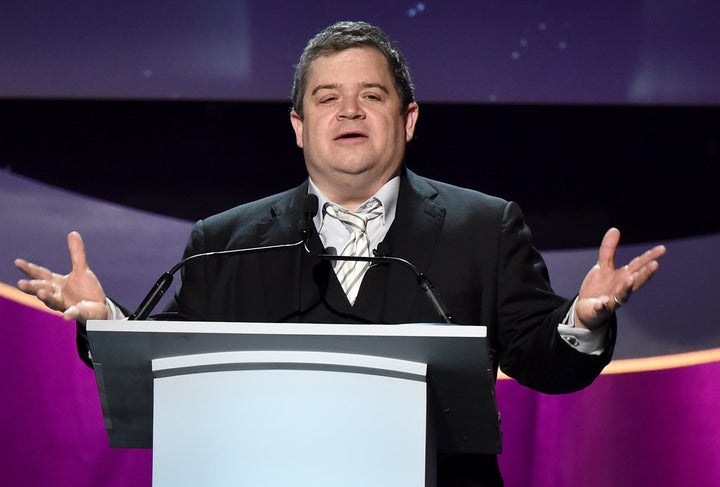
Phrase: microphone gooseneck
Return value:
(310, 205)
(422, 280)
(162, 284)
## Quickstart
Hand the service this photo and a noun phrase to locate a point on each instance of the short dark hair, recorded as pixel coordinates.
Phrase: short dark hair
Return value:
(345, 35)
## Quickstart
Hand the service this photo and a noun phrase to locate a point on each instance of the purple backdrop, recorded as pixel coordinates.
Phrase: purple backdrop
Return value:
(657, 428)
(51, 421)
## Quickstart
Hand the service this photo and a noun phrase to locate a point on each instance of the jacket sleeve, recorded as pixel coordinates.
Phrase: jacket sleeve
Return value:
(530, 348)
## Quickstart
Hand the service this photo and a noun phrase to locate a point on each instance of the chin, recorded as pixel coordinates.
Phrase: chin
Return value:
(354, 167)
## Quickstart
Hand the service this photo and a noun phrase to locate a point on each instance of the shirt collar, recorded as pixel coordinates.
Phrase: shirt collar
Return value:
(388, 196)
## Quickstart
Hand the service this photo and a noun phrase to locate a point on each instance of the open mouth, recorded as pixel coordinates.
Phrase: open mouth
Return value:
(350, 135)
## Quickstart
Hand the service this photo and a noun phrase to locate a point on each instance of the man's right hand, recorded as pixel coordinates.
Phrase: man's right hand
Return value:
(78, 295)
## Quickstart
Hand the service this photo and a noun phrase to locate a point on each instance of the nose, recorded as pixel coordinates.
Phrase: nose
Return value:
(350, 109)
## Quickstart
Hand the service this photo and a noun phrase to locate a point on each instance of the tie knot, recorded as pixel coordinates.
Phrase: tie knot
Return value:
(355, 222)
(349, 272)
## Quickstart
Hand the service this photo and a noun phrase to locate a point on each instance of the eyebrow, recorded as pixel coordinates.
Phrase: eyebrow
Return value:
(363, 85)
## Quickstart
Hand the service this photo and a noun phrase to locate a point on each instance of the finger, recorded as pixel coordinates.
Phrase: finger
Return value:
(608, 247)
(644, 274)
(27, 286)
(22, 265)
(33, 270)
(44, 290)
(623, 293)
(76, 247)
(45, 294)
(648, 257)
(34, 285)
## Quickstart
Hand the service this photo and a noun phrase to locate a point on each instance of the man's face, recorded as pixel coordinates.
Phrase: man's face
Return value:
(353, 133)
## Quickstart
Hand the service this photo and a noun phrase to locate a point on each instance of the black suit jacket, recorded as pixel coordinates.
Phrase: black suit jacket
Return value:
(475, 248)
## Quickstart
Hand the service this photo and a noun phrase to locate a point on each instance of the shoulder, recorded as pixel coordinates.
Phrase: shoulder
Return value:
(260, 210)
(248, 224)
(457, 200)
(471, 213)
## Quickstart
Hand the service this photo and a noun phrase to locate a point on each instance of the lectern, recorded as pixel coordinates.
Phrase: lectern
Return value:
(267, 404)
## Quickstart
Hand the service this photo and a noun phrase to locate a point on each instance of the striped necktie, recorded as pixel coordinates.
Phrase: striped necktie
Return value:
(350, 273)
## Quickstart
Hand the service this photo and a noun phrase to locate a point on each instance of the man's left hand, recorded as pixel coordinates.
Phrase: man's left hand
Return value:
(606, 288)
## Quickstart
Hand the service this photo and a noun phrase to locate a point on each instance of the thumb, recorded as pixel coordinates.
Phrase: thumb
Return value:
(592, 312)
(76, 247)
(608, 248)
(87, 310)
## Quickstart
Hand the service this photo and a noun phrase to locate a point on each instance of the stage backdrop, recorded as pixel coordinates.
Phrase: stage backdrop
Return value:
(650, 420)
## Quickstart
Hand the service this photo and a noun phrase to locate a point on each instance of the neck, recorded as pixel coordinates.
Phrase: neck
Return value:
(351, 192)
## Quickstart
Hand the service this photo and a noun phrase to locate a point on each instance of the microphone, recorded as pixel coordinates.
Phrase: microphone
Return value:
(310, 206)
(422, 280)
(310, 209)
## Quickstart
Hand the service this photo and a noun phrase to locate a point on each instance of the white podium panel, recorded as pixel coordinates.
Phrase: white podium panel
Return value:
(291, 423)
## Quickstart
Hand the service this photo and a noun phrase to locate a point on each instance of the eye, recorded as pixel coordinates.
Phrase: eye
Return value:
(327, 99)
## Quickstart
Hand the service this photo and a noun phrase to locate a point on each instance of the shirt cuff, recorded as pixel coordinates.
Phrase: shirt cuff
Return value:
(591, 342)
(115, 312)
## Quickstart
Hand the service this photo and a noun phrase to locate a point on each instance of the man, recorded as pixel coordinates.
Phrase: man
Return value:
(353, 114)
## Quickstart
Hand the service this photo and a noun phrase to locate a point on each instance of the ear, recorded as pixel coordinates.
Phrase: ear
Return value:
(411, 116)
(297, 123)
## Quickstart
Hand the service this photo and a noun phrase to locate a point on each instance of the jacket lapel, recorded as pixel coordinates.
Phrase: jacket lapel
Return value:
(418, 221)
(413, 236)
(287, 274)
